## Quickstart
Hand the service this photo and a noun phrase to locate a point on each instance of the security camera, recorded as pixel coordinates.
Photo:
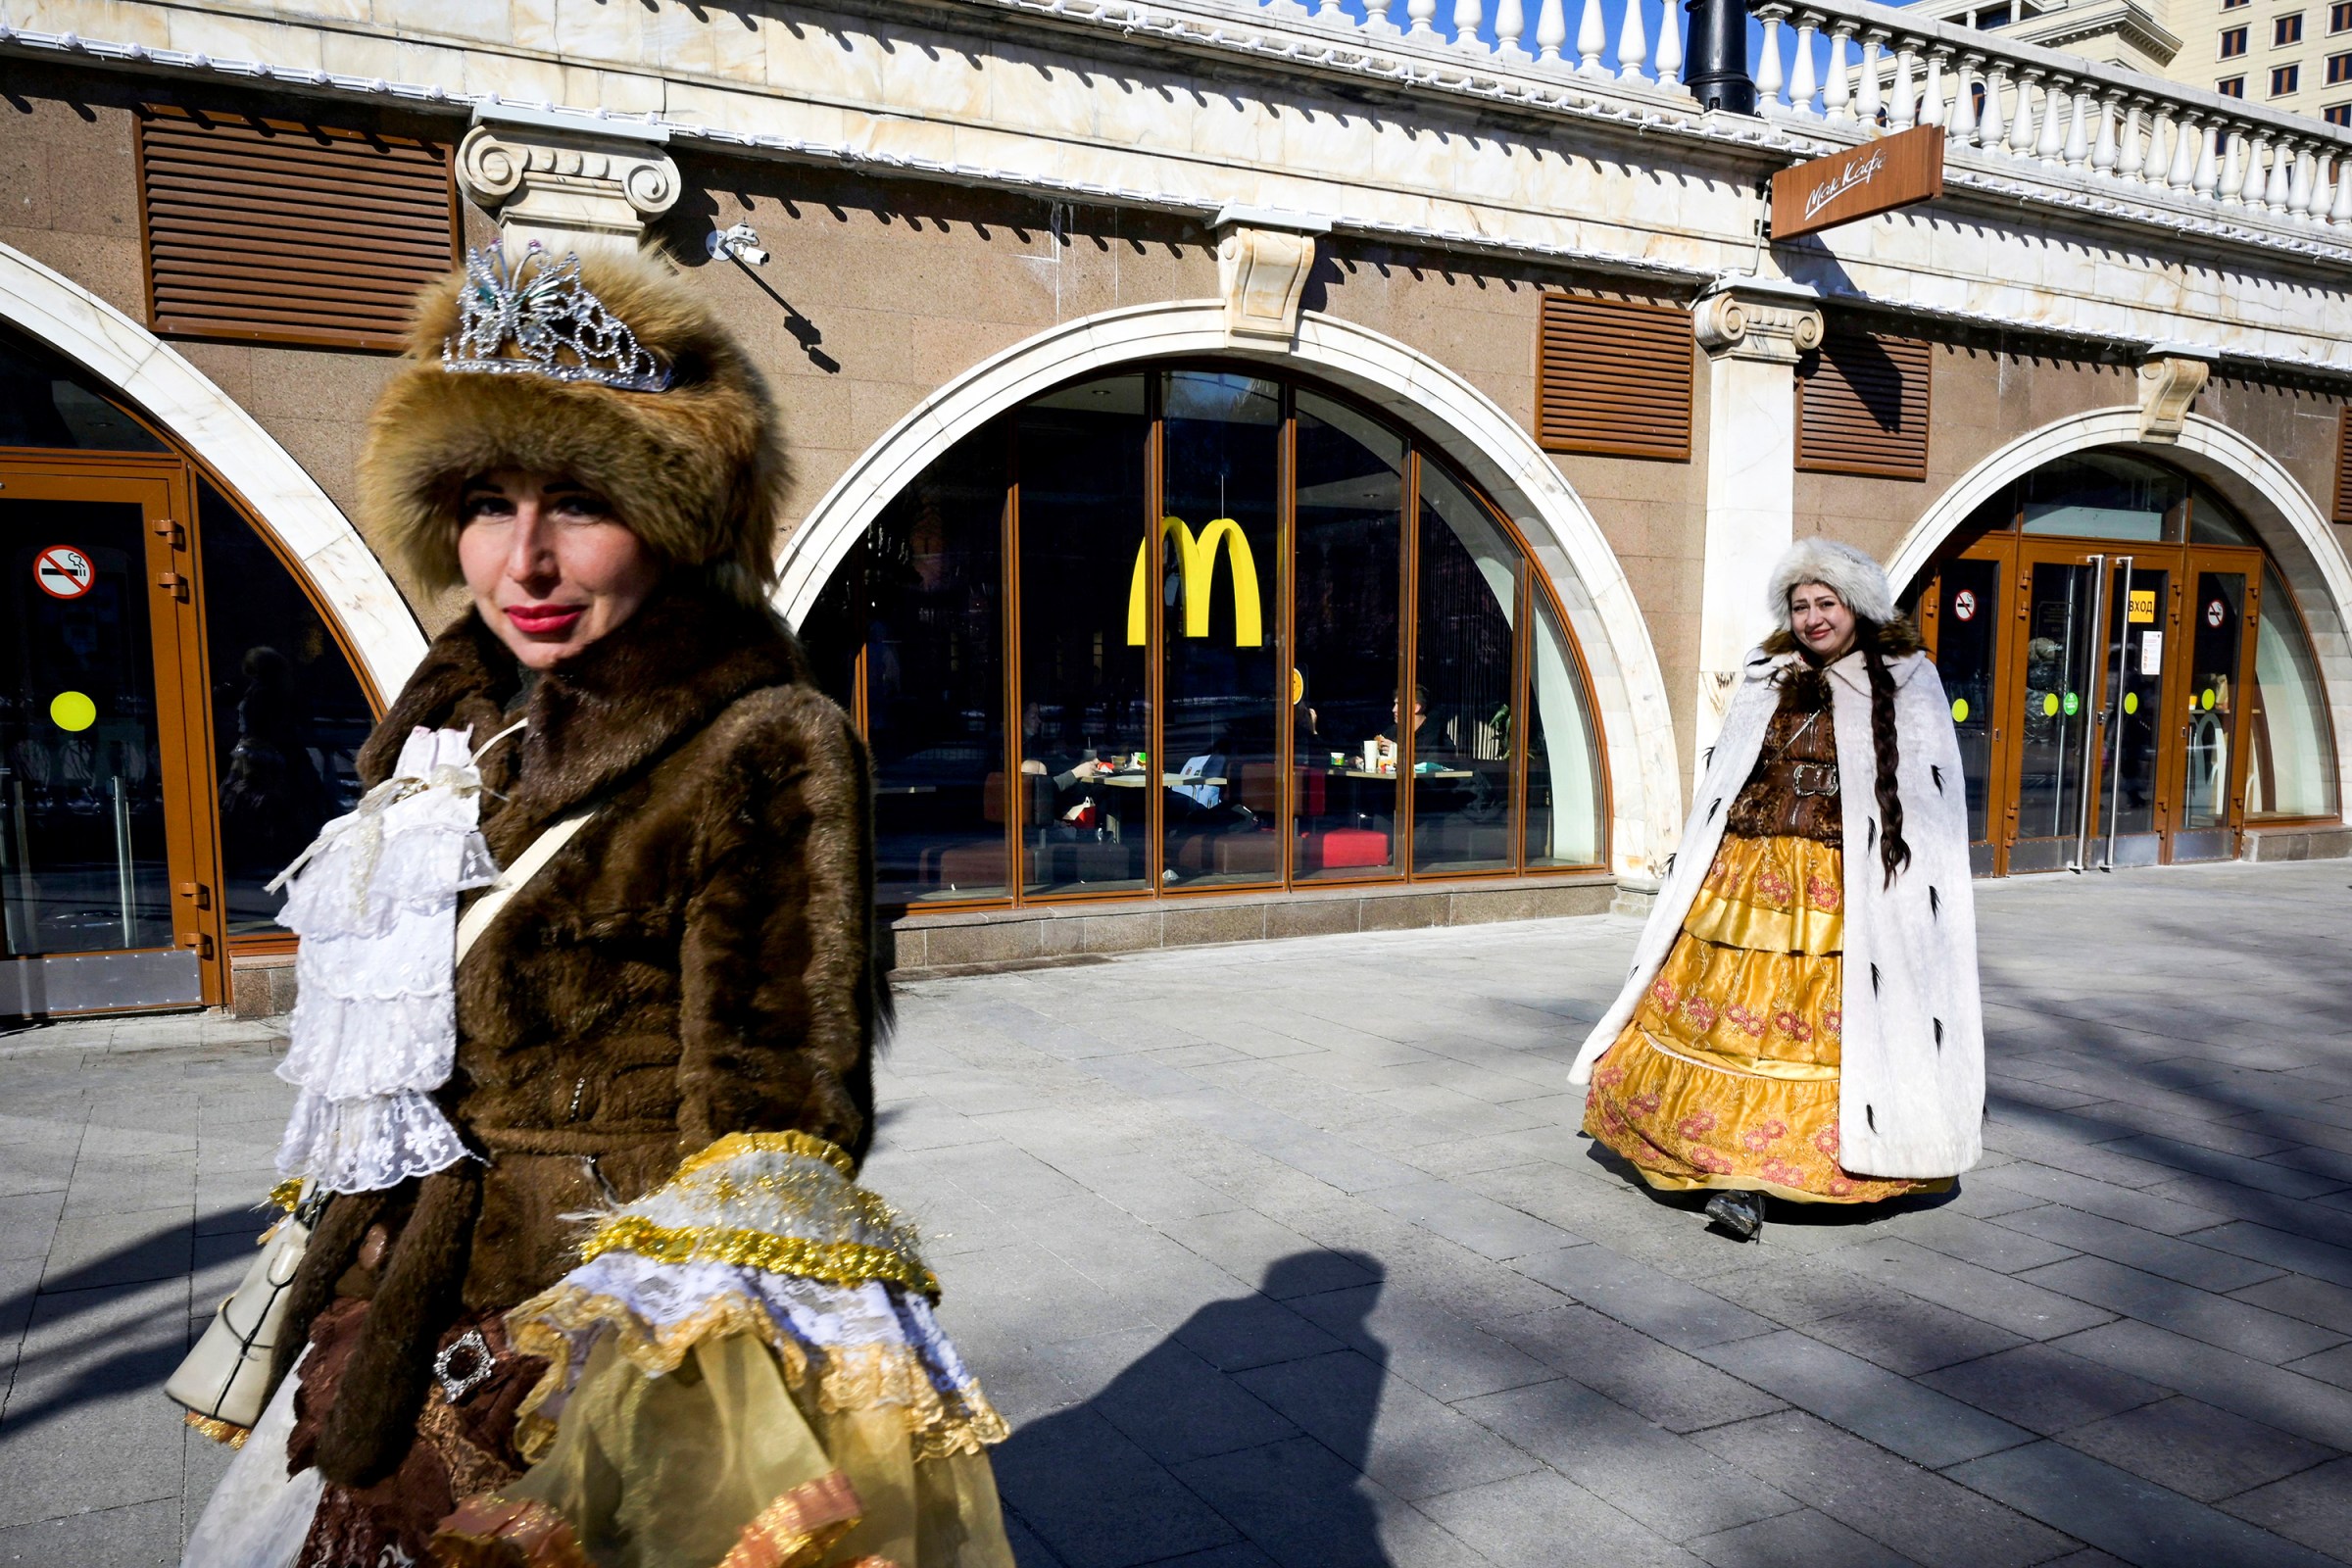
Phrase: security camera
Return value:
(741, 243)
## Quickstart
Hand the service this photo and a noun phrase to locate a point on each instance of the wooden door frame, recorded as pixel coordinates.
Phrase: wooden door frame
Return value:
(2001, 782)
(164, 487)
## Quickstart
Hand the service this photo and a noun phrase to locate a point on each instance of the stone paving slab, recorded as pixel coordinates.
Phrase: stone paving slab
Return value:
(1292, 1253)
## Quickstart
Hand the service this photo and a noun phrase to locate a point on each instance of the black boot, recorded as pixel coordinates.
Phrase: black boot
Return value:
(1738, 1215)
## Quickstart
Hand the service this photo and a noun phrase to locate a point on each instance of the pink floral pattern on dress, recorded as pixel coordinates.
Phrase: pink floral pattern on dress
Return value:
(1749, 1023)
(1794, 1027)
(1701, 1012)
(1832, 1023)
(1697, 1126)
(1762, 1135)
(1709, 1160)
(1824, 896)
(1775, 886)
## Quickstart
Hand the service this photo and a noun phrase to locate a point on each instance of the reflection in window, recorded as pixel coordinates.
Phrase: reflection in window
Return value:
(2104, 495)
(288, 715)
(1252, 536)
(1083, 798)
(1221, 556)
(1350, 519)
(934, 678)
(2291, 771)
(1467, 586)
(1564, 800)
(45, 402)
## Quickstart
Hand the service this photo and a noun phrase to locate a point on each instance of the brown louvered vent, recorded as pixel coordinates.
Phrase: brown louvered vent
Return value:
(286, 232)
(2343, 464)
(1612, 376)
(1862, 406)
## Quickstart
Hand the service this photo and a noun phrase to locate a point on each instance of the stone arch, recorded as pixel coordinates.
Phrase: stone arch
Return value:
(2290, 524)
(1628, 690)
(280, 497)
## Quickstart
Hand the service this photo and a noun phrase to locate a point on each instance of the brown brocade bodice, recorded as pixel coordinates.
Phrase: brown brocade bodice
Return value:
(1793, 793)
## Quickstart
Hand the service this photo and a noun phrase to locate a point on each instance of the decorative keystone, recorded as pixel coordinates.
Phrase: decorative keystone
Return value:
(2171, 377)
(1263, 258)
(567, 181)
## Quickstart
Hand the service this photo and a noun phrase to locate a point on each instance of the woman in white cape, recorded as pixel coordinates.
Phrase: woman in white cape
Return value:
(1802, 1019)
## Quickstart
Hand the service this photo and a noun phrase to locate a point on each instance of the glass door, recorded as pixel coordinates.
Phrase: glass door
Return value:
(1960, 616)
(2054, 705)
(101, 893)
(2218, 619)
(2130, 804)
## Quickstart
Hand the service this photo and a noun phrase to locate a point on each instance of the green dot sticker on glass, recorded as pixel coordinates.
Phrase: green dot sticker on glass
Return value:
(2071, 704)
(73, 711)
(2208, 698)
(2130, 702)
(2049, 706)
(1959, 710)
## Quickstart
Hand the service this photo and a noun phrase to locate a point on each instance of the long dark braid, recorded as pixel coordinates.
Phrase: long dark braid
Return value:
(1893, 853)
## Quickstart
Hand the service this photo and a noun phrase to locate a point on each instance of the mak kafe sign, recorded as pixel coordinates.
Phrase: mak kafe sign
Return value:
(1875, 177)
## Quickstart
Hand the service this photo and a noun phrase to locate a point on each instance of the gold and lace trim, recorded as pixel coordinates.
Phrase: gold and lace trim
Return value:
(492, 1532)
(783, 1143)
(796, 1529)
(849, 1377)
(836, 1262)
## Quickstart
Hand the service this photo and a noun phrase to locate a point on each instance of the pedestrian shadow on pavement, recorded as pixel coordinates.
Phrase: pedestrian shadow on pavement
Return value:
(1247, 1429)
(101, 1330)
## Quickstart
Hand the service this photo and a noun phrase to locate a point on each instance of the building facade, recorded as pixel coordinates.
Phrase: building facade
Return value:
(2290, 55)
(1258, 469)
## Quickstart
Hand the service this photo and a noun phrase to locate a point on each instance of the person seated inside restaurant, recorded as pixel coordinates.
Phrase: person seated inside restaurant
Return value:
(1384, 747)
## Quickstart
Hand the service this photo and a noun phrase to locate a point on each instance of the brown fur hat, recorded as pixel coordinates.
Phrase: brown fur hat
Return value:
(696, 470)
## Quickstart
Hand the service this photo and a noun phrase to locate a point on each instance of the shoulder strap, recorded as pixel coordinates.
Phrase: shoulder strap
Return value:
(535, 856)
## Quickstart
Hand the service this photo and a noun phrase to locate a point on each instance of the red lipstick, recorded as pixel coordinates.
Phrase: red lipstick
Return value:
(543, 620)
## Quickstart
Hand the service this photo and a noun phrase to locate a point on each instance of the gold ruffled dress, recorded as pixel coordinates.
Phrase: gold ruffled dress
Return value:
(744, 1372)
(1727, 1074)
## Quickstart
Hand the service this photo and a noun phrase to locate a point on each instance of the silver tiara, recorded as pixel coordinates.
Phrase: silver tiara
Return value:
(536, 317)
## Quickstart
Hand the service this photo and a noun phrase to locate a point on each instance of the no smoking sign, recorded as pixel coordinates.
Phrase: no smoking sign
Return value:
(62, 572)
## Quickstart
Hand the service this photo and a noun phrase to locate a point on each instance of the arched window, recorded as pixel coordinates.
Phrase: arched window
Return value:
(1195, 627)
(173, 728)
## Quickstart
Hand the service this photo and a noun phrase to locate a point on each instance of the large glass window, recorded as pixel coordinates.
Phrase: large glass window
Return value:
(1082, 801)
(1259, 639)
(1466, 585)
(288, 715)
(2291, 765)
(1350, 531)
(2104, 495)
(1221, 692)
(934, 687)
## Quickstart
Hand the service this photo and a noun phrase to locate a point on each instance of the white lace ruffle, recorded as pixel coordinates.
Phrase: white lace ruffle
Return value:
(375, 899)
(822, 1316)
(367, 1142)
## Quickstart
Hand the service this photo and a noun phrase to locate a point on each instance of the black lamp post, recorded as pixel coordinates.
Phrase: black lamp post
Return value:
(1718, 53)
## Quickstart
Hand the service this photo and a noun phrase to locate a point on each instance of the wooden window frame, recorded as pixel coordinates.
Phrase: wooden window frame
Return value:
(387, 334)
(1914, 355)
(2286, 80)
(1666, 323)
(2234, 42)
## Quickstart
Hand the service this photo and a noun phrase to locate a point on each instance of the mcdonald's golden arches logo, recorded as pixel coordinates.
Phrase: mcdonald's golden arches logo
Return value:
(1196, 579)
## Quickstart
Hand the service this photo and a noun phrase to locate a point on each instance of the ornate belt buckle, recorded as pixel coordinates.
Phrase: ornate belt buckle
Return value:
(463, 1365)
(1815, 778)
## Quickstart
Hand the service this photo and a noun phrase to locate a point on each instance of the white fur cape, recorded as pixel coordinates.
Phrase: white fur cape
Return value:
(1911, 1095)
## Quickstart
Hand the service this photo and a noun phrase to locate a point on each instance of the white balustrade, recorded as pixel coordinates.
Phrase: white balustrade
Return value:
(1870, 68)
(1633, 44)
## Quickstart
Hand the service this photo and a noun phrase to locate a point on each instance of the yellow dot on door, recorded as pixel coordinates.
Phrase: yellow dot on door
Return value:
(1959, 710)
(73, 711)
(2049, 706)
(2130, 702)
(2209, 699)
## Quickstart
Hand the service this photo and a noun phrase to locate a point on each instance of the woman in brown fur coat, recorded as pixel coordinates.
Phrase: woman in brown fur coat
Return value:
(643, 1315)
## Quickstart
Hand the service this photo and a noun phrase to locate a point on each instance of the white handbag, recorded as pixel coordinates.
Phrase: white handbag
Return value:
(224, 1377)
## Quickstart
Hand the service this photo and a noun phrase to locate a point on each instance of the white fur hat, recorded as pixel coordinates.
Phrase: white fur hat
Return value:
(1842, 569)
